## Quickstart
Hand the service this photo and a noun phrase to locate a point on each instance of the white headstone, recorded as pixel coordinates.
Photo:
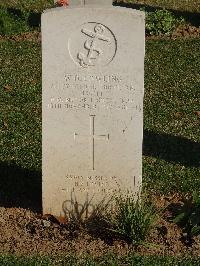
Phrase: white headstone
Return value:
(93, 86)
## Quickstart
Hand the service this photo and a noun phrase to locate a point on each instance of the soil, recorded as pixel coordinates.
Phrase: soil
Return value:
(33, 36)
(183, 31)
(23, 232)
(186, 31)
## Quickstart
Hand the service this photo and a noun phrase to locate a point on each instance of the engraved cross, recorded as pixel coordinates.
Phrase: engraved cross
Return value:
(92, 137)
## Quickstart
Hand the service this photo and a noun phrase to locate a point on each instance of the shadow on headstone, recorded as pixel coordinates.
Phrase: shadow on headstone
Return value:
(20, 187)
(171, 148)
(191, 17)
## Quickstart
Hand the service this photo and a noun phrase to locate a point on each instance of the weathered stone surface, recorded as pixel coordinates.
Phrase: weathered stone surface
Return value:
(93, 86)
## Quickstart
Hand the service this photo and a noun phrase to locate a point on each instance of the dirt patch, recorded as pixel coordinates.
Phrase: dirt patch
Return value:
(183, 31)
(23, 232)
(34, 36)
(186, 31)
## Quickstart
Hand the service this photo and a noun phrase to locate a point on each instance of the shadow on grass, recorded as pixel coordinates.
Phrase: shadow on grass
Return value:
(171, 148)
(20, 187)
(17, 13)
(23, 188)
(33, 19)
(190, 17)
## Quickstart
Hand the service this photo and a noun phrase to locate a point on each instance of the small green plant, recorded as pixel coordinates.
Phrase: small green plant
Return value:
(161, 22)
(189, 216)
(133, 219)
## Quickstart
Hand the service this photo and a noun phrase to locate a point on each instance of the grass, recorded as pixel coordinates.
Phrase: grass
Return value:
(12, 22)
(20, 104)
(183, 5)
(18, 16)
(39, 5)
(27, 5)
(172, 84)
(133, 221)
(188, 217)
(110, 259)
(171, 126)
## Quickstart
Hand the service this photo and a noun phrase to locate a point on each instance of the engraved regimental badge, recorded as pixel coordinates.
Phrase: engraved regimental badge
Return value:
(92, 44)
